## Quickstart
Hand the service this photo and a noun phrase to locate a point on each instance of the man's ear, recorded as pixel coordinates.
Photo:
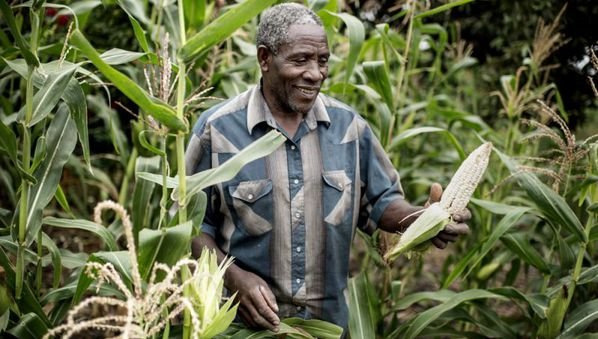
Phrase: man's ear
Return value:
(264, 57)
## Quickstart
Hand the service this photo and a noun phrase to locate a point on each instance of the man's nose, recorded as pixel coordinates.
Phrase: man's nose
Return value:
(313, 72)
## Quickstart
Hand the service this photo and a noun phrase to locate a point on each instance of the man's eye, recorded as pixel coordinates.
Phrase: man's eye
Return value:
(300, 61)
(323, 62)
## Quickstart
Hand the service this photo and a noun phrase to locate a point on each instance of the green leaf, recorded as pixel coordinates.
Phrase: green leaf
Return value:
(62, 200)
(49, 94)
(139, 34)
(8, 141)
(148, 146)
(378, 77)
(519, 245)
(218, 30)
(425, 318)
(472, 261)
(142, 194)
(588, 275)
(153, 106)
(316, 328)
(74, 97)
(356, 33)
(30, 326)
(362, 321)
(166, 246)
(9, 18)
(119, 259)
(553, 207)
(442, 8)
(537, 302)
(117, 56)
(557, 308)
(229, 169)
(61, 140)
(85, 225)
(195, 12)
(408, 300)
(48, 243)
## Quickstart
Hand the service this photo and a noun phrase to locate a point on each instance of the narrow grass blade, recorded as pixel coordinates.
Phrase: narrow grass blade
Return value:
(48, 243)
(378, 76)
(142, 194)
(14, 30)
(218, 30)
(117, 56)
(442, 8)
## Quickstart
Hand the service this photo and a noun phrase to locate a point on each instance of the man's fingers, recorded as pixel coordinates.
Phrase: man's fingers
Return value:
(462, 216)
(447, 237)
(439, 243)
(261, 312)
(270, 298)
(435, 193)
(457, 229)
(246, 318)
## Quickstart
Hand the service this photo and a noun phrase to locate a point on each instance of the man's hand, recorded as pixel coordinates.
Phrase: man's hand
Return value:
(257, 304)
(453, 230)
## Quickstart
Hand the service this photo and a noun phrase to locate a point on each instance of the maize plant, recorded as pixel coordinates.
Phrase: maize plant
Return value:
(454, 199)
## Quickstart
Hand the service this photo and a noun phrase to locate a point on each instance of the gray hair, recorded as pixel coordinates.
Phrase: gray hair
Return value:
(273, 29)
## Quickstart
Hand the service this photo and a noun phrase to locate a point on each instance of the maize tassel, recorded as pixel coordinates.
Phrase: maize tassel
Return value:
(455, 198)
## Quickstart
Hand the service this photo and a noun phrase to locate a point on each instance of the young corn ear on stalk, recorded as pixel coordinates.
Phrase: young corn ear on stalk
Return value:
(455, 198)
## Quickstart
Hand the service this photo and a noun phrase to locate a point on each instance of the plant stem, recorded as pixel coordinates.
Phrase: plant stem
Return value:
(129, 172)
(402, 71)
(165, 174)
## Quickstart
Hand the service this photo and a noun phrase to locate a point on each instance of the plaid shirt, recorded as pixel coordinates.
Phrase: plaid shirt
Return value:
(291, 217)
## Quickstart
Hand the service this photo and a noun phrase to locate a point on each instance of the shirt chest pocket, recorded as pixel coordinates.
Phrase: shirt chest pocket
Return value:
(336, 196)
(252, 202)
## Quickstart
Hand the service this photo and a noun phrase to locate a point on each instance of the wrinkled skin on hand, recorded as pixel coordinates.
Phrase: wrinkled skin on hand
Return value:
(257, 304)
(458, 225)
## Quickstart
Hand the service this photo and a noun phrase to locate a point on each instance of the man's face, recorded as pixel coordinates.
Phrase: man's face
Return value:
(293, 77)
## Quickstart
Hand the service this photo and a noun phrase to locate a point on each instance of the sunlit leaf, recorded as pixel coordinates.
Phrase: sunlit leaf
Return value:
(85, 225)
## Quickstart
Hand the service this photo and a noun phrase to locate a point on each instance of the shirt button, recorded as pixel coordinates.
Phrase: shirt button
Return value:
(298, 281)
(340, 185)
(250, 196)
(299, 308)
(296, 181)
(298, 248)
(293, 147)
(298, 215)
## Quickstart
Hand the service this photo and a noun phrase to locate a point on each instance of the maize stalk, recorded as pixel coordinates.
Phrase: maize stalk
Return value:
(455, 198)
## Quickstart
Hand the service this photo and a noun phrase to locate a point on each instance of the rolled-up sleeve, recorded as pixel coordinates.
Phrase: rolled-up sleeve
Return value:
(380, 180)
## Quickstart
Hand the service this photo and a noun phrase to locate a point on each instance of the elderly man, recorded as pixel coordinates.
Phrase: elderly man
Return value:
(289, 219)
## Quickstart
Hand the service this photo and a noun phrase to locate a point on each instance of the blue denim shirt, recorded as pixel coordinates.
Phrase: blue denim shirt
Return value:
(291, 217)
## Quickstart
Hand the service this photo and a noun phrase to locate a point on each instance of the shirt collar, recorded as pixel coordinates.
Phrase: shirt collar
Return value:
(258, 112)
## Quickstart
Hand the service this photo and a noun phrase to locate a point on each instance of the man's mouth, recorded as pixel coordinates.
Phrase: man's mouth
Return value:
(309, 91)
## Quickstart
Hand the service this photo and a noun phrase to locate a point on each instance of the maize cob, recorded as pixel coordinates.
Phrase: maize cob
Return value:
(454, 199)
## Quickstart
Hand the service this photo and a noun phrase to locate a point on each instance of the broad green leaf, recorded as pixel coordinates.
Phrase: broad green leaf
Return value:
(408, 300)
(153, 106)
(557, 308)
(218, 30)
(49, 94)
(48, 243)
(425, 318)
(85, 225)
(74, 97)
(503, 226)
(229, 169)
(316, 328)
(157, 179)
(142, 193)
(588, 275)
(39, 154)
(519, 245)
(195, 12)
(552, 206)
(356, 33)
(61, 140)
(9, 18)
(135, 8)
(30, 326)
(378, 77)
(166, 246)
(222, 320)
(362, 323)
(119, 259)
(537, 302)
(383, 30)
(117, 56)
(8, 142)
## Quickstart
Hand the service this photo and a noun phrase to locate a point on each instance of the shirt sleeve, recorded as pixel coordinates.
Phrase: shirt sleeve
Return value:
(380, 180)
(198, 158)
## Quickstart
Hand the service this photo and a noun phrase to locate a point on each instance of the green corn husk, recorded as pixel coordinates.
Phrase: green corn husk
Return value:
(425, 227)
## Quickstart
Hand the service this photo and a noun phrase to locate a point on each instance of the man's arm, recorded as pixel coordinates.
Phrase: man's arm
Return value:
(257, 302)
(400, 214)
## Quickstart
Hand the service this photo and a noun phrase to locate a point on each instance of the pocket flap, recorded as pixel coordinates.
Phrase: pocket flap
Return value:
(336, 179)
(250, 191)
